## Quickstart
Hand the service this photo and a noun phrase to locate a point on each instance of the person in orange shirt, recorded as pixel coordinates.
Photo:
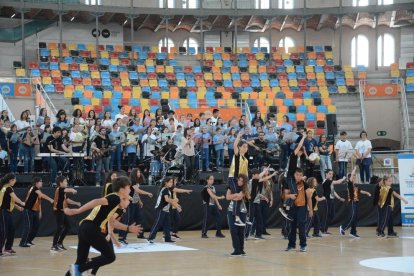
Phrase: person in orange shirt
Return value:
(302, 203)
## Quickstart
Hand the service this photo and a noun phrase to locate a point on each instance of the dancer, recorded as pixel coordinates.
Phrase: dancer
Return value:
(282, 187)
(32, 212)
(239, 165)
(174, 212)
(353, 199)
(330, 194)
(107, 189)
(302, 203)
(211, 207)
(237, 231)
(60, 202)
(386, 203)
(266, 201)
(314, 221)
(8, 200)
(164, 201)
(133, 212)
(94, 228)
(296, 160)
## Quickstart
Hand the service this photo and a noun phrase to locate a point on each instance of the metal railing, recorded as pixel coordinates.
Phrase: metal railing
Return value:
(361, 102)
(406, 124)
(43, 100)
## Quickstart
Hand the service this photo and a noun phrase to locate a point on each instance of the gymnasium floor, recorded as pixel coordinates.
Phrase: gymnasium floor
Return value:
(333, 255)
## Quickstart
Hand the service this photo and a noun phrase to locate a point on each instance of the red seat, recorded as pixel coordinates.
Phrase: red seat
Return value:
(320, 55)
(33, 65)
(328, 68)
(113, 54)
(192, 89)
(53, 59)
(155, 89)
(310, 124)
(251, 56)
(57, 80)
(77, 81)
(45, 73)
(96, 82)
(209, 50)
(152, 76)
(294, 56)
(170, 76)
(105, 102)
(74, 67)
(302, 82)
(125, 61)
(282, 76)
(85, 54)
(246, 83)
(188, 69)
(124, 101)
(59, 88)
(152, 56)
(410, 65)
(208, 63)
(279, 62)
(154, 102)
(116, 82)
(198, 76)
(319, 131)
(98, 108)
(209, 83)
(93, 67)
(271, 69)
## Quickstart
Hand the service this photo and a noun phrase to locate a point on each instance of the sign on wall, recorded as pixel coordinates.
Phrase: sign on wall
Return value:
(381, 90)
(406, 176)
(7, 89)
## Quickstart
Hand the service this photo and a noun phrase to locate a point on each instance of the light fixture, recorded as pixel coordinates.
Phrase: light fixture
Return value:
(73, 18)
(13, 15)
(126, 20)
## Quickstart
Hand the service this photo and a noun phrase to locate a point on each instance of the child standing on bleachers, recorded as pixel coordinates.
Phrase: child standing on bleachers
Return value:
(218, 141)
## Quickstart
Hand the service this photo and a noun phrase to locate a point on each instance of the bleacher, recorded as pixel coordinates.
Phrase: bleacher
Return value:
(409, 77)
(297, 83)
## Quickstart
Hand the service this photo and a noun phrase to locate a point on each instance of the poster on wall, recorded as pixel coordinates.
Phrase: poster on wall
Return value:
(406, 176)
(7, 89)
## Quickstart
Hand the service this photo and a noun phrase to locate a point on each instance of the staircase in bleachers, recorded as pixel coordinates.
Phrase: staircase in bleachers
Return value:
(297, 84)
(409, 88)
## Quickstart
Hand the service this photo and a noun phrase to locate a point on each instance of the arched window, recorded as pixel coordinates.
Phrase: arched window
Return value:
(359, 51)
(285, 4)
(190, 4)
(262, 42)
(191, 42)
(164, 42)
(166, 3)
(385, 2)
(262, 4)
(286, 43)
(385, 50)
(360, 3)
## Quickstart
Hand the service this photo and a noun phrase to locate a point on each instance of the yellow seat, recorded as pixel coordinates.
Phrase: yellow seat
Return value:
(308, 102)
(90, 47)
(68, 94)
(320, 75)
(259, 56)
(262, 95)
(114, 61)
(290, 69)
(285, 56)
(409, 80)
(125, 82)
(201, 95)
(46, 80)
(269, 102)
(208, 56)
(342, 89)
(293, 83)
(54, 53)
(226, 76)
(309, 69)
(95, 101)
(349, 75)
(149, 62)
(347, 68)
(95, 75)
(329, 55)
(331, 109)
(107, 94)
(153, 83)
(275, 89)
(169, 69)
(52, 45)
(181, 83)
(154, 49)
(83, 67)
(252, 69)
(71, 46)
(231, 103)
(78, 106)
(324, 94)
(104, 54)
(165, 95)
(20, 72)
(265, 83)
(244, 95)
(218, 63)
(136, 92)
(80, 87)
(395, 73)
(208, 76)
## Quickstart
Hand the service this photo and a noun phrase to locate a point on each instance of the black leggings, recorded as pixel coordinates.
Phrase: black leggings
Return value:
(89, 235)
(62, 227)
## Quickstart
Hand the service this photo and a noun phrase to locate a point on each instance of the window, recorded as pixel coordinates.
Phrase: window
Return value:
(190, 4)
(360, 3)
(191, 42)
(286, 43)
(385, 2)
(93, 2)
(165, 42)
(211, 40)
(285, 4)
(359, 51)
(262, 4)
(386, 50)
(262, 42)
(169, 3)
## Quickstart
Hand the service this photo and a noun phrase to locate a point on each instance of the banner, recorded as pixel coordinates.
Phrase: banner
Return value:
(22, 90)
(381, 90)
(7, 89)
(406, 176)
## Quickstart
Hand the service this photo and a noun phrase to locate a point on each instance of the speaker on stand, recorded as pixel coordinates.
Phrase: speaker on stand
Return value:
(331, 124)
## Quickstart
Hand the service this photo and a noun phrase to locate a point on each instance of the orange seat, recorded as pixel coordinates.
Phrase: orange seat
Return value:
(312, 109)
(279, 102)
(300, 117)
(174, 92)
(320, 116)
(327, 101)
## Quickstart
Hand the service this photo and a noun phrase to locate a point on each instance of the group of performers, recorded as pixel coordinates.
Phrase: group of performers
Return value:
(249, 195)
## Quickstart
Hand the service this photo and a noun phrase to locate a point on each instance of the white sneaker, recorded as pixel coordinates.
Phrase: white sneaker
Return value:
(239, 223)
(284, 214)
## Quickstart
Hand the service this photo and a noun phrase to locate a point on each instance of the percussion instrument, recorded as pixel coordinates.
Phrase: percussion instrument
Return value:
(314, 157)
(175, 171)
(73, 154)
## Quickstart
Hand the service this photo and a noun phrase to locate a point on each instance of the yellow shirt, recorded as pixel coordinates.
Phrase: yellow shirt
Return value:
(243, 166)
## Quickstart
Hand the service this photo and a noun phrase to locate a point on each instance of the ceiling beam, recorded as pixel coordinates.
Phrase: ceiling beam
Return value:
(284, 23)
(162, 21)
(356, 21)
(248, 23)
(144, 22)
(267, 24)
(320, 24)
(179, 23)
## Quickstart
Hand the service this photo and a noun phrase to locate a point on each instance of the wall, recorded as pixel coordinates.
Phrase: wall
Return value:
(383, 114)
(72, 33)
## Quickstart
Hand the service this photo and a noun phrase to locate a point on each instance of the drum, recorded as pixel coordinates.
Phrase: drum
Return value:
(175, 171)
(155, 168)
(314, 157)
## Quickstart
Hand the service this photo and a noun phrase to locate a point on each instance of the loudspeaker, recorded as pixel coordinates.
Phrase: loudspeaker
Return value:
(74, 101)
(146, 94)
(17, 64)
(300, 124)
(317, 101)
(331, 124)
(227, 49)
(292, 109)
(42, 45)
(273, 109)
(320, 124)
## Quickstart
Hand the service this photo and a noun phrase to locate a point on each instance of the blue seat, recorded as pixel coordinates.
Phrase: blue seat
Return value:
(291, 116)
(301, 76)
(123, 55)
(146, 89)
(319, 48)
(235, 76)
(248, 89)
(409, 87)
(156, 95)
(292, 76)
(251, 102)
(173, 62)
(330, 62)
(89, 87)
(280, 69)
(136, 48)
(197, 69)
(340, 82)
(142, 76)
(409, 73)
(104, 61)
(142, 55)
(150, 69)
(98, 94)
(302, 56)
(106, 82)
(113, 68)
(225, 69)
(318, 69)
(300, 69)
(227, 63)
(301, 109)
(67, 60)
(161, 56)
(274, 82)
(329, 75)
(255, 83)
(107, 108)
(312, 82)
(332, 89)
(191, 50)
(115, 102)
(242, 56)
(294, 89)
(44, 52)
(264, 49)
(191, 83)
(134, 102)
(322, 109)
(339, 75)
(307, 95)
(44, 65)
(79, 60)
(254, 50)
(35, 73)
(311, 62)
(264, 76)
(243, 63)
(310, 116)
(146, 49)
(288, 102)
(133, 75)
(104, 75)
(361, 68)
(85, 74)
(67, 81)
(280, 95)
(117, 95)
(180, 76)
(288, 62)
(78, 94)
(316, 94)
(262, 62)
(228, 83)
(217, 56)
(193, 104)
(254, 76)
(109, 47)
(85, 101)
(54, 66)
(163, 83)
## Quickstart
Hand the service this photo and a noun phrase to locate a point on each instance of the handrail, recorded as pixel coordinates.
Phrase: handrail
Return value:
(5, 106)
(361, 102)
(248, 113)
(405, 114)
(52, 111)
